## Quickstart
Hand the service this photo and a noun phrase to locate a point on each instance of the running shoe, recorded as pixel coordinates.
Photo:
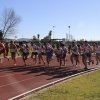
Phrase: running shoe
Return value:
(97, 63)
(85, 68)
(39, 63)
(14, 64)
(52, 58)
(66, 59)
(8, 59)
(25, 64)
(44, 63)
(88, 63)
(92, 61)
(64, 64)
(48, 65)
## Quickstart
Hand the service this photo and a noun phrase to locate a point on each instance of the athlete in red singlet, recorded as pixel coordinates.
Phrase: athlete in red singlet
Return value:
(3, 51)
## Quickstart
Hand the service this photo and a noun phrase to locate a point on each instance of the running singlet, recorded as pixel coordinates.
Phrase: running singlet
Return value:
(13, 48)
(2, 48)
(87, 49)
(24, 49)
(48, 49)
(64, 50)
(34, 48)
(39, 49)
(59, 51)
(74, 49)
(82, 48)
(97, 49)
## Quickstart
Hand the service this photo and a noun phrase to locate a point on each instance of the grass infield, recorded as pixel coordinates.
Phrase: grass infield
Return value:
(86, 87)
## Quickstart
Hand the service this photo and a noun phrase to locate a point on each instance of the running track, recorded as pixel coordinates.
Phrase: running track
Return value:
(19, 79)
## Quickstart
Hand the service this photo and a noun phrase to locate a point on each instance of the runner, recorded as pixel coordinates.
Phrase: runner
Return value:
(25, 52)
(48, 50)
(3, 51)
(13, 51)
(64, 52)
(93, 49)
(81, 49)
(75, 54)
(40, 50)
(97, 51)
(86, 54)
(34, 52)
(58, 54)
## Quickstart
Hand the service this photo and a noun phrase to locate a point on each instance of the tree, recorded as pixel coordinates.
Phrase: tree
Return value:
(47, 37)
(1, 35)
(50, 33)
(34, 38)
(81, 40)
(38, 36)
(9, 21)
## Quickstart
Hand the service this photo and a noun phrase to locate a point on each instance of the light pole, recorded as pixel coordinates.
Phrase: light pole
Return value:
(53, 31)
(69, 32)
(50, 33)
(38, 36)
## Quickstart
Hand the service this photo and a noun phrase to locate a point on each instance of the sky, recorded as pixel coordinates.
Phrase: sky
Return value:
(39, 17)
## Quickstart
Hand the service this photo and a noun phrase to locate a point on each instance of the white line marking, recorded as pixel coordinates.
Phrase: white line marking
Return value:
(49, 84)
(20, 81)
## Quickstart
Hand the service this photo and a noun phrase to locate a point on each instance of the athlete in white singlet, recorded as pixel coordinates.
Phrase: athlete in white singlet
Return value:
(64, 52)
(25, 52)
(97, 51)
(75, 53)
(34, 52)
(87, 54)
(40, 50)
(48, 50)
(13, 51)
(58, 53)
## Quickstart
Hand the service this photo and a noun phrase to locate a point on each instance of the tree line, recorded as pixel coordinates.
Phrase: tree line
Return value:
(8, 23)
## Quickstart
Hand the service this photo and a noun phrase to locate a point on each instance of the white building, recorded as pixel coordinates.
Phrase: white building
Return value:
(23, 39)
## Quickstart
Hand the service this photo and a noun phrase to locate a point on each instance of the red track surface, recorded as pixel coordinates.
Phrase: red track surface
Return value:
(15, 80)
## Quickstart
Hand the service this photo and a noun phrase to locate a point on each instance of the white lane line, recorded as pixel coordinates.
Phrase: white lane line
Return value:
(11, 74)
(19, 81)
(52, 83)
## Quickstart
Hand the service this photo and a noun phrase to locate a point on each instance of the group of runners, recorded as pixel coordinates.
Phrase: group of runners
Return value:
(61, 51)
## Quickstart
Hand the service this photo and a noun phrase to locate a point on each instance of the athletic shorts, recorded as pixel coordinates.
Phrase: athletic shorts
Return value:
(64, 56)
(75, 54)
(49, 54)
(13, 53)
(25, 54)
(86, 54)
(97, 54)
(58, 55)
(34, 53)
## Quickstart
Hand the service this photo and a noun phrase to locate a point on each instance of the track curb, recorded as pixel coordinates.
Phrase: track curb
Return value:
(52, 83)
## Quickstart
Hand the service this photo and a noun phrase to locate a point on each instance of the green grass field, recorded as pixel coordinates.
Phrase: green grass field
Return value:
(86, 87)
